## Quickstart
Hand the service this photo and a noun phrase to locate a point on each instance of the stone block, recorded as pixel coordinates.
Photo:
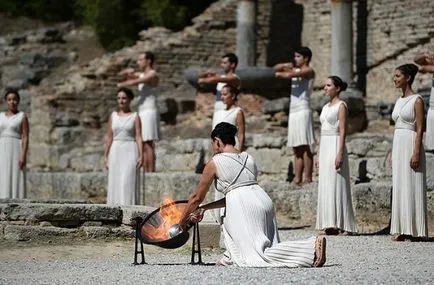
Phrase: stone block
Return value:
(87, 162)
(26, 233)
(123, 232)
(360, 146)
(130, 213)
(267, 141)
(177, 162)
(96, 232)
(177, 186)
(74, 213)
(275, 106)
(270, 160)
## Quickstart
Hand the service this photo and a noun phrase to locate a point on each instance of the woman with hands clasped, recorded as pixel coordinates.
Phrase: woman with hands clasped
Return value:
(335, 213)
(409, 205)
(249, 226)
(123, 152)
(14, 143)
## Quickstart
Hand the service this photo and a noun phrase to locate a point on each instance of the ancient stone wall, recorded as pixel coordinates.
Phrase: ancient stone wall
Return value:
(71, 113)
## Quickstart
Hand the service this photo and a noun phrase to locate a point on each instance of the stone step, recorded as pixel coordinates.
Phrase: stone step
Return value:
(23, 220)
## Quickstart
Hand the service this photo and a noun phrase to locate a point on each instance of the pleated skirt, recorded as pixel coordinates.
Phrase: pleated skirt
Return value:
(251, 237)
(12, 178)
(429, 134)
(409, 204)
(150, 119)
(334, 209)
(300, 127)
(123, 176)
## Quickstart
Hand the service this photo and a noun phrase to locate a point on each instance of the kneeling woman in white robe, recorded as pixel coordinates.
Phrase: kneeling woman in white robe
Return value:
(249, 226)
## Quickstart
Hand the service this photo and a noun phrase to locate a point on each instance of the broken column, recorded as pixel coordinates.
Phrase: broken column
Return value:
(246, 33)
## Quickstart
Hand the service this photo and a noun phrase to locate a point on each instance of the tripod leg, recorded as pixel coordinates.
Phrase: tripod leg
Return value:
(196, 246)
(136, 250)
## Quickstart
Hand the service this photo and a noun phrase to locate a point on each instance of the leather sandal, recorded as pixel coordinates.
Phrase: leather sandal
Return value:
(320, 252)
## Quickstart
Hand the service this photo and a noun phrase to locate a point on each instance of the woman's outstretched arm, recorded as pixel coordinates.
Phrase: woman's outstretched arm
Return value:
(198, 195)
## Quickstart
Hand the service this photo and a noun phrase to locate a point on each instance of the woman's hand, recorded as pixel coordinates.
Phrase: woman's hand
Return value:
(106, 164)
(389, 159)
(139, 162)
(415, 161)
(22, 162)
(196, 216)
(339, 160)
(316, 162)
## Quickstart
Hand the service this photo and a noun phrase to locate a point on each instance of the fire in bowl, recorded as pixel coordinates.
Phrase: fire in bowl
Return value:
(161, 227)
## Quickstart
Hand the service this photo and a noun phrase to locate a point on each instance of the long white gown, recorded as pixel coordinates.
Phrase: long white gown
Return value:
(300, 122)
(148, 112)
(123, 176)
(429, 134)
(409, 205)
(250, 230)
(334, 209)
(12, 178)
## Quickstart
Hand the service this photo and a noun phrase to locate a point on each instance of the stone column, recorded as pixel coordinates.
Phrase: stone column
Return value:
(246, 33)
(342, 39)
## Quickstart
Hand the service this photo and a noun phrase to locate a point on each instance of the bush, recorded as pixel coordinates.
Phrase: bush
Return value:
(116, 22)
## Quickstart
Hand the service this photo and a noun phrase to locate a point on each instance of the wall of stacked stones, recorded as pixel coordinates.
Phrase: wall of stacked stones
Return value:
(69, 115)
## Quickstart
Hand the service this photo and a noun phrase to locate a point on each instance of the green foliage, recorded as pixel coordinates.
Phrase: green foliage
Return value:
(50, 10)
(116, 22)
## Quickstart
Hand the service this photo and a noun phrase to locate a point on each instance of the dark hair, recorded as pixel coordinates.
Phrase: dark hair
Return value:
(12, 92)
(232, 58)
(305, 52)
(409, 70)
(149, 55)
(225, 132)
(127, 92)
(338, 82)
(233, 90)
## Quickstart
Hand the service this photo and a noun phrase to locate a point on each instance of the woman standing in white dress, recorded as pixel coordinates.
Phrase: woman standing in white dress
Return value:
(426, 62)
(335, 213)
(14, 143)
(147, 80)
(409, 205)
(232, 114)
(123, 153)
(300, 124)
(250, 229)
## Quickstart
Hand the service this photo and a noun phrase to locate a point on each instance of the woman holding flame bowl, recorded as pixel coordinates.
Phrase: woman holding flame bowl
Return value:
(249, 225)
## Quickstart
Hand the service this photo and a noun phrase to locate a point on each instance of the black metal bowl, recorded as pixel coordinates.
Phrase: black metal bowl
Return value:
(154, 220)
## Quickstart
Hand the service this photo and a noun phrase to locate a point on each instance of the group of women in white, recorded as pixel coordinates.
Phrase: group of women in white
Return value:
(129, 145)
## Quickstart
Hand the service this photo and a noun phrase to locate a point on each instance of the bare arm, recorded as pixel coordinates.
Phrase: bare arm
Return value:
(198, 195)
(230, 79)
(424, 59)
(207, 73)
(426, 68)
(108, 143)
(415, 159)
(241, 129)
(283, 66)
(150, 79)
(24, 142)
(306, 72)
(138, 128)
(342, 135)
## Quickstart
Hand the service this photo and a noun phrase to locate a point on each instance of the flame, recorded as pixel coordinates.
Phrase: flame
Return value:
(170, 215)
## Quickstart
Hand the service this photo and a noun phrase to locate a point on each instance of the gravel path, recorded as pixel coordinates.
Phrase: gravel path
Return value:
(359, 259)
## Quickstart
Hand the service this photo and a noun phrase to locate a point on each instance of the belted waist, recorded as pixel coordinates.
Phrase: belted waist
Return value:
(300, 106)
(404, 126)
(124, 139)
(329, 132)
(238, 185)
(14, 136)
